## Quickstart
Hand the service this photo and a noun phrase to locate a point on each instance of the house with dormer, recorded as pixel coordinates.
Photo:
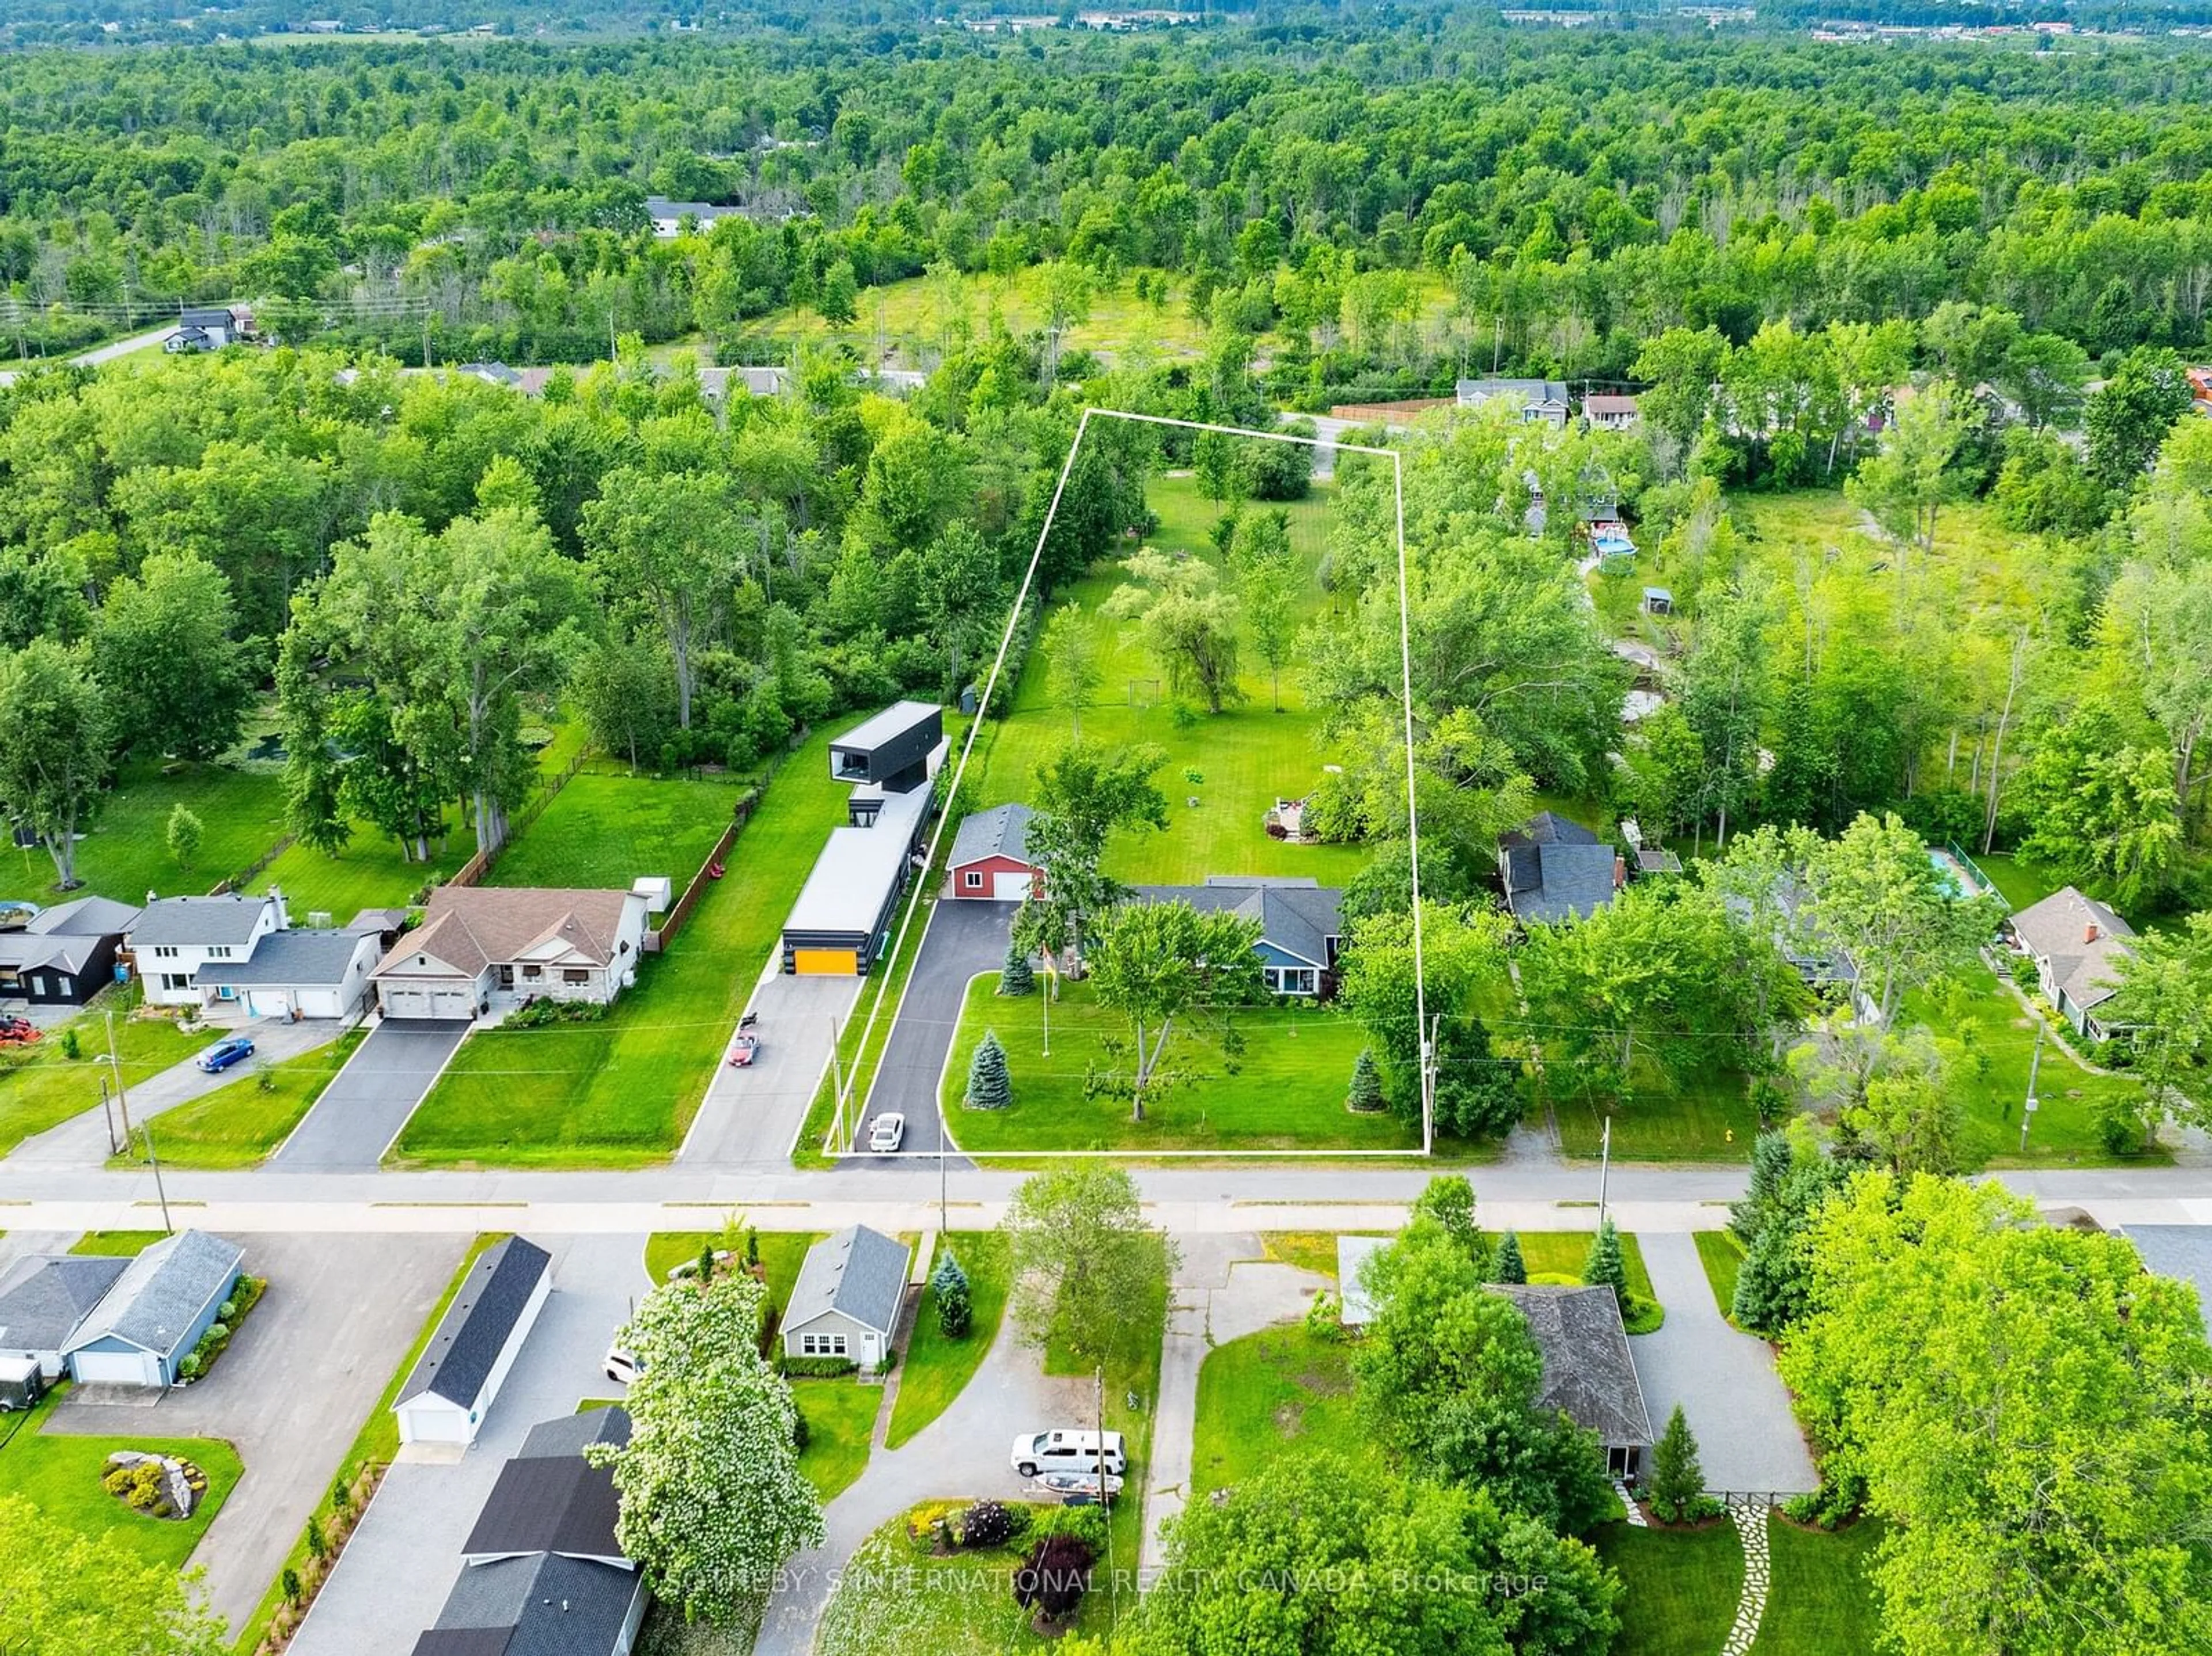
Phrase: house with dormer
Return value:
(482, 946)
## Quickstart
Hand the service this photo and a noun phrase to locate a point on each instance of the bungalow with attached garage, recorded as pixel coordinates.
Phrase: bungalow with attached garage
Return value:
(478, 945)
(64, 955)
(2077, 945)
(146, 1323)
(990, 857)
(453, 1387)
(846, 1302)
(45, 1299)
(173, 937)
(1301, 925)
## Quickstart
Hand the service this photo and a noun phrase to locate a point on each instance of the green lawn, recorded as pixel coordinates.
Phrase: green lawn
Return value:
(2021, 881)
(1257, 1394)
(1822, 1600)
(369, 872)
(620, 1092)
(896, 1598)
(1308, 1250)
(1246, 757)
(840, 1417)
(126, 1244)
(1707, 1117)
(934, 1368)
(781, 1253)
(1722, 1256)
(239, 1124)
(41, 1086)
(59, 1474)
(375, 1444)
(125, 853)
(1680, 1588)
(1549, 1255)
(603, 830)
(1285, 1090)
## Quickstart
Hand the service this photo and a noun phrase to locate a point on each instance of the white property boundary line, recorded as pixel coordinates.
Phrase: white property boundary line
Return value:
(967, 747)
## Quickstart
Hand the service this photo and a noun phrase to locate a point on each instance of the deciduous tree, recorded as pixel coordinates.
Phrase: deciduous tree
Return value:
(55, 760)
(1086, 1264)
(1155, 962)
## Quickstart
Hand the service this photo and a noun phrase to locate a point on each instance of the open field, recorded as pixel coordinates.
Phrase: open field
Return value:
(46, 1087)
(607, 830)
(934, 1368)
(1256, 1396)
(239, 1124)
(126, 850)
(1283, 1090)
(620, 1092)
(1246, 757)
(59, 1474)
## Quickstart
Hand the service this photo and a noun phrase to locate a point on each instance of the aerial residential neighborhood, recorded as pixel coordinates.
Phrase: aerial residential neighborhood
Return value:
(1259, 830)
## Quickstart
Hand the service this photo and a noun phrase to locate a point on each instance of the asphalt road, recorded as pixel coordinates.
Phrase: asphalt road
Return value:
(303, 1371)
(964, 937)
(107, 353)
(366, 1105)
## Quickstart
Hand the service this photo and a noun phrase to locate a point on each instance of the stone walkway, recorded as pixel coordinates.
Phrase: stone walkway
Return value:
(1751, 1527)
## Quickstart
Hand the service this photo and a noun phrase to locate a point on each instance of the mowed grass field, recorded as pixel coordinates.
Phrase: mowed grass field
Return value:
(622, 1091)
(934, 1368)
(126, 850)
(608, 830)
(1683, 1586)
(1245, 757)
(1282, 1388)
(1283, 1090)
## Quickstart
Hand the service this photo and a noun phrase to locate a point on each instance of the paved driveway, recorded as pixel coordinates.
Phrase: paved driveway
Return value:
(964, 936)
(399, 1564)
(304, 1372)
(751, 1117)
(1737, 1406)
(366, 1105)
(82, 1141)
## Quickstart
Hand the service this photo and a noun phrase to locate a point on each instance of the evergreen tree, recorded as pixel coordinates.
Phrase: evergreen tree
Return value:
(990, 1086)
(1604, 1267)
(954, 1309)
(1015, 977)
(1770, 1165)
(1508, 1266)
(1366, 1092)
(1677, 1479)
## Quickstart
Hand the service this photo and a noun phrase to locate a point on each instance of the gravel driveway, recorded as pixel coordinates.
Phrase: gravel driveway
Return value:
(303, 1372)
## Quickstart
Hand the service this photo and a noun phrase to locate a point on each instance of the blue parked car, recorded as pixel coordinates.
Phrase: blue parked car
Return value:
(224, 1053)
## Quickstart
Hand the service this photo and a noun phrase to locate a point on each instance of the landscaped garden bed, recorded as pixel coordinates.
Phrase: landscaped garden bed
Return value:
(195, 1362)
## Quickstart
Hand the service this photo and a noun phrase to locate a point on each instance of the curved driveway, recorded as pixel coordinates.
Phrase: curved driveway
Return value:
(964, 936)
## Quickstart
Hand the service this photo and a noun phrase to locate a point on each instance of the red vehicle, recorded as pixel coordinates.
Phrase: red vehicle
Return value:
(17, 1031)
(744, 1050)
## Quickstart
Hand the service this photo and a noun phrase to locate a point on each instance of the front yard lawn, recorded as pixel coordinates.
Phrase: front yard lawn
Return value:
(895, 1597)
(41, 1087)
(606, 831)
(1822, 1599)
(1664, 1121)
(781, 1253)
(1256, 1395)
(1284, 1091)
(841, 1417)
(124, 1244)
(620, 1092)
(239, 1124)
(1680, 1588)
(934, 1369)
(59, 1474)
(1722, 1256)
(1560, 1255)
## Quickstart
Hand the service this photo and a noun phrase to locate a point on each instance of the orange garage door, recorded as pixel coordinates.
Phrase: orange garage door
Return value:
(826, 962)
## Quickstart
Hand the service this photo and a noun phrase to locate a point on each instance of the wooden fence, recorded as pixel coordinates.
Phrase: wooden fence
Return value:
(472, 872)
(245, 876)
(1368, 414)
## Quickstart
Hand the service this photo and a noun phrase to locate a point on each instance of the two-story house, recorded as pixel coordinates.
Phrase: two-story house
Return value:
(173, 937)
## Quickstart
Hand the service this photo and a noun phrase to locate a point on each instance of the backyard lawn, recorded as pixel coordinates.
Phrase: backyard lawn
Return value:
(1280, 1386)
(369, 872)
(622, 1091)
(59, 1474)
(125, 852)
(42, 1086)
(1284, 1090)
(608, 830)
(934, 1368)
(1822, 1600)
(1224, 771)
(238, 1124)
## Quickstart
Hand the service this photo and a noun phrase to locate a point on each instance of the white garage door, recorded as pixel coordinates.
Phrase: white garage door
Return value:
(116, 1368)
(269, 1003)
(437, 1425)
(427, 1001)
(1011, 887)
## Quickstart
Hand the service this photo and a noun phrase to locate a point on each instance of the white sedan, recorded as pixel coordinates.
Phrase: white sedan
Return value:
(887, 1132)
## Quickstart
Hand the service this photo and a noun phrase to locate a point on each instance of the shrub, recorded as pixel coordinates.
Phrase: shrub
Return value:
(1086, 1524)
(800, 1431)
(820, 1367)
(2119, 1127)
(955, 1310)
(990, 1085)
(189, 1366)
(72, 1048)
(986, 1523)
(1052, 1578)
(290, 1580)
(1365, 1092)
(226, 1311)
(1325, 1317)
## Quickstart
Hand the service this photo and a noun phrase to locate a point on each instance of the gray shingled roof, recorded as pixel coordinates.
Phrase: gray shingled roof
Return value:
(570, 1434)
(23, 952)
(1588, 1372)
(161, 1292)
(545, 1604)
(549, 1503)
(87, 917)
(859, 1273)
(1536, 391)
(191, 920)
(1295, 914)
(2086, 967)
(475, 1328)
(2182, 1252)
(1001, 831)
(304, 959)
(43, 1296)
(1572, 881)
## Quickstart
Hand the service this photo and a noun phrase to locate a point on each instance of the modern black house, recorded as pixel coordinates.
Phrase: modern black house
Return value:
(892, 749)
(66, 955)
(842, 919)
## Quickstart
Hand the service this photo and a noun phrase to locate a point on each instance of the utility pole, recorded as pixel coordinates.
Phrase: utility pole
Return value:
(107, 1115)
(121, 1098)
(1604, 1166)
(1051, 978)
(2034, 1066)
(1435, 1033)
(155, 1161)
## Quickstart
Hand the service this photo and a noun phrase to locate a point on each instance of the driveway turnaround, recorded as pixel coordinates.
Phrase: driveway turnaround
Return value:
(1749, 1440)
(394, 1577)
(751, 1117)
(368, 1101)
(83, 1142)
(304, 1371)
(963, 938)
